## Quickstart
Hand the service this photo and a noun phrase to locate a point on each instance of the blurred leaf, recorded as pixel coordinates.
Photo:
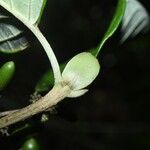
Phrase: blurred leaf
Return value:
(6, 74)
(11, 37)
(116, 20)
(47, 80)
(136, 19)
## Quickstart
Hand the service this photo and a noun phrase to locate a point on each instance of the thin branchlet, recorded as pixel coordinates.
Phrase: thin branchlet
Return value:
(58, 93)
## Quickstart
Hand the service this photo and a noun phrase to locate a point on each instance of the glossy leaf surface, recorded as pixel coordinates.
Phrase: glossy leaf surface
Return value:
(11, 38)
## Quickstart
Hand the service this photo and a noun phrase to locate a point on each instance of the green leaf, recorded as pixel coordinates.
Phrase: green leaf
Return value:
(30, 10)
(41, 12)
(11, 38)
(6, 74)
(81, 71)
(116, 20)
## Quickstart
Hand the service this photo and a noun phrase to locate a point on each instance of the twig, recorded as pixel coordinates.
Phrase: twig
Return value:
(59, 92)
(7, 112)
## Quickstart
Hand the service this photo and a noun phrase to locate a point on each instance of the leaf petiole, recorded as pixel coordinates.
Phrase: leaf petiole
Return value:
(51, 56)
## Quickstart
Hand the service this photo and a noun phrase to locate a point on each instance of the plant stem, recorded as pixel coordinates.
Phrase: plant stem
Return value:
(49, 52)
(2, 114)
(59, 92)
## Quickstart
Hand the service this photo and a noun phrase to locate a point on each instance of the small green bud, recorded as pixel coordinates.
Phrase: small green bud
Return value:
(80, 72)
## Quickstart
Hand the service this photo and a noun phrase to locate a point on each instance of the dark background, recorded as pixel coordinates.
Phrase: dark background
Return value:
(114, 114)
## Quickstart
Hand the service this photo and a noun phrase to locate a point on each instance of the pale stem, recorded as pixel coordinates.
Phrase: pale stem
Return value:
(58, 93)
(2, 114)
(49, 52)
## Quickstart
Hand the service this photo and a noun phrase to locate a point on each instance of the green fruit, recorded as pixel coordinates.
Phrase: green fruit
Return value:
(6, 74)
(30, 144)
